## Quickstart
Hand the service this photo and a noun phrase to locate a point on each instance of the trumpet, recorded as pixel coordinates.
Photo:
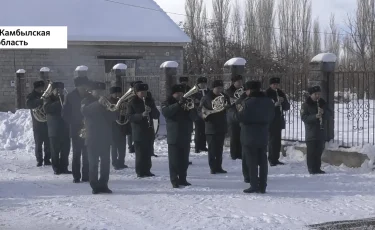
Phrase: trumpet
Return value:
(320, 113)
(39, 113)
(148, 117)
(218, 105)
(190, 101)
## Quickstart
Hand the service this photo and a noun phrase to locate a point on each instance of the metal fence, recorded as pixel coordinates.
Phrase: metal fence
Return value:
(354, 107)
(354, 95)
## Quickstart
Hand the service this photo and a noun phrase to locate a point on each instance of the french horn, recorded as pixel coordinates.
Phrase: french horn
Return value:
(218, 105)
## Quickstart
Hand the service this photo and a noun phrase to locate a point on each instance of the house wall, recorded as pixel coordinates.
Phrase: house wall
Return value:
(63, 63)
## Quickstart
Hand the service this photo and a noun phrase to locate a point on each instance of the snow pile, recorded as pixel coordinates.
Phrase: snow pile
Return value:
(16, 130)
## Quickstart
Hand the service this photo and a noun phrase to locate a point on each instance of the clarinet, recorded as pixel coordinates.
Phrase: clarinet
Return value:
(148, 117)
(320, 119)
(278, 99)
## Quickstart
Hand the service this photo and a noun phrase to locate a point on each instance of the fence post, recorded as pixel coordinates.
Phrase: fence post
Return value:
(236, 65)
(167, 79)
(20, 86)
(44, 74)
(119, 70)
(322, 74)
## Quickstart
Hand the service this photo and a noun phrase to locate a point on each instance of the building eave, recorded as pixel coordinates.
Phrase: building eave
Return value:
(111, 43)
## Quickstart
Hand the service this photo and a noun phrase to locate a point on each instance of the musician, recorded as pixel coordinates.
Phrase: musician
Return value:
(71, 113)
(185, 81)
(255, 114)
(215, 127)
(199, 125)
(278, 123)
(58, 129)
(313, 110)
(234, 128)
(129, 136)
(179, 130)
(40, 129)
(98, 126)
(140, 112)
(119, 132)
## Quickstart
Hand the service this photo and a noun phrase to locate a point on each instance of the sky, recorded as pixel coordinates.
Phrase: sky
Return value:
(320, 8)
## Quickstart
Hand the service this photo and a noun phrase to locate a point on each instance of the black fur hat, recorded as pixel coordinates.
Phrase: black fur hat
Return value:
(201, 80)
(57, 85)
(253, 85)
(217, 83)
(184, 79)
(115, 89)
(274, 80)
(314, 89)
(140, 87)
(178, 88)
(79, 81)
(38, 84)
(134, 83)
(97, 85)
(236, 78)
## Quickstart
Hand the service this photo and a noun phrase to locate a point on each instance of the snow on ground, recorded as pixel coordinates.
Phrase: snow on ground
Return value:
(33, 198)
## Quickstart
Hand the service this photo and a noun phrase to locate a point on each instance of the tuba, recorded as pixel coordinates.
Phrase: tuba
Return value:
(218, 105)
(121, 106)
(39, 113)
(190, 101)
(237, 95)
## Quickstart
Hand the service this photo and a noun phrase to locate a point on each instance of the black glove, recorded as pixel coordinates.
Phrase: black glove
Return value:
(182, 101)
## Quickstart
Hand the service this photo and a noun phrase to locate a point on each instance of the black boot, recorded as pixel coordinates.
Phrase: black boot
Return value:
(106, 190)
(76, 181)
(131, 149)
(190, 163)
(47, 162)
(184, 183)
(39, 164)
(250, 190)
(280, 163)
(221, 171)
(65, 171)
(175, 185)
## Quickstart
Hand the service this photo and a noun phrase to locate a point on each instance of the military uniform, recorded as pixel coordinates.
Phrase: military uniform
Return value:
(58, 132)
(119, 132)
(234, 128)
(72, 115)
(314, 132)
(254, 134)
(179, 130)
(278, 123)
(142, 132)
(199, 125)
(40, 129)
(215, 129)
(98, 125)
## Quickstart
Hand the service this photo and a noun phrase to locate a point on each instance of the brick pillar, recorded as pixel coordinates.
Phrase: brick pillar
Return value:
(322, 74)
(44, 74)
(167, 78)
(236, 65)
(119, 70)
(20, 87)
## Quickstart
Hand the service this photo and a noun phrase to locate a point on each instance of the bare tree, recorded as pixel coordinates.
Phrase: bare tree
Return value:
(362, 33)
(332, 38)
(194, 28)
(265, 21)
(316, 43)
(221, 14)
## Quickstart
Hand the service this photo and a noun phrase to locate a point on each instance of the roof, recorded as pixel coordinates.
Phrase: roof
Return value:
(97, 20)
